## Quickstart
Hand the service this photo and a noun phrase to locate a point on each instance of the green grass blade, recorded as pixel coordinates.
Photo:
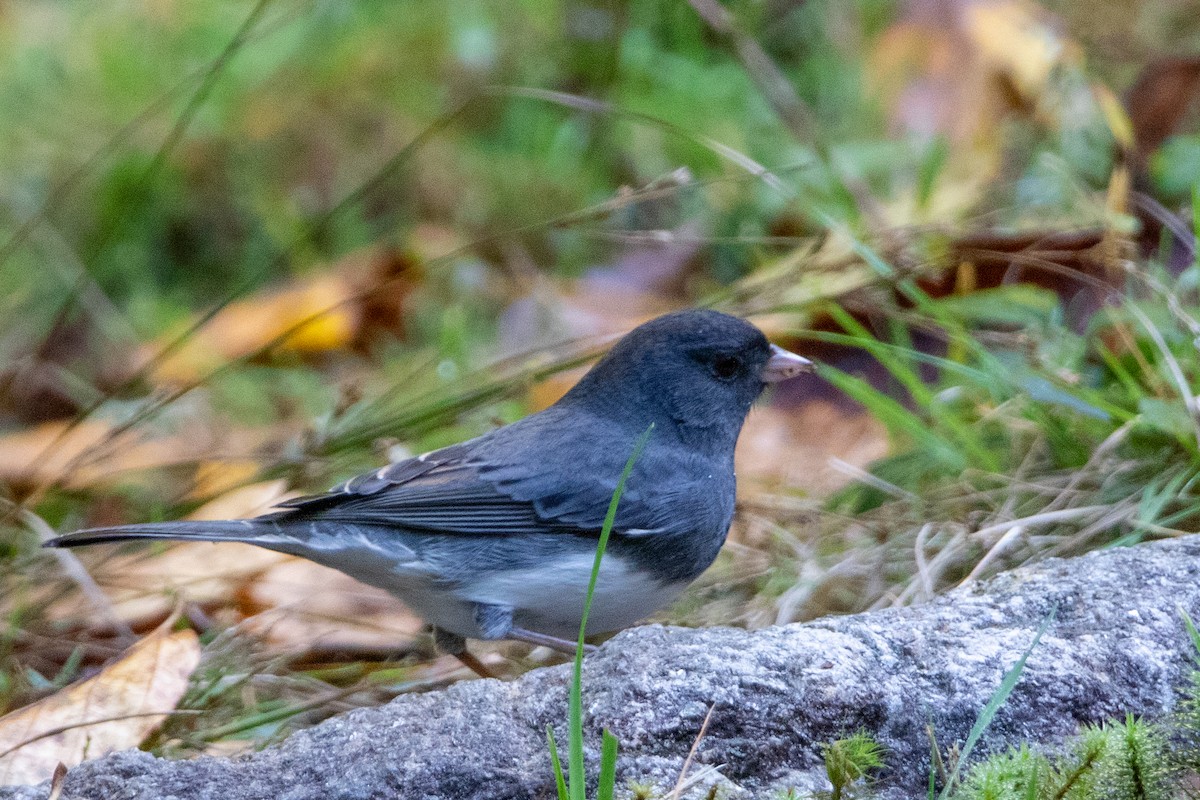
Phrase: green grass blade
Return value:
(608, 766)
(575, 732)
(1033, 781)
(933, 760)
(590, 105)
(560, 780)
(575, 704)
(893, 414)
(901, 367)
(1196, 225)
(886, 350)
(1192, 632)
(993, 705)
(898, 365)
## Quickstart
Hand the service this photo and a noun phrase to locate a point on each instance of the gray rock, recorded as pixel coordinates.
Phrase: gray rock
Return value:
(1117, 645)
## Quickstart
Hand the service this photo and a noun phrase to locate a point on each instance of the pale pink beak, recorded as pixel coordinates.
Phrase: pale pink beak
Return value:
(784, 364)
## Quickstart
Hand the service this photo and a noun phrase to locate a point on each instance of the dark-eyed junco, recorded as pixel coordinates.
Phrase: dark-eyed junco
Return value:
(494, 538)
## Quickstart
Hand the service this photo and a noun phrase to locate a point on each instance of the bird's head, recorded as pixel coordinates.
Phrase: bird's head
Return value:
(699, 371)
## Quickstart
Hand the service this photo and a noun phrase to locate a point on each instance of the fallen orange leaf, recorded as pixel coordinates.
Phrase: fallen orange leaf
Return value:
(240, 502)
(221, 477)
(91, 453)
(346, 307)
(114, 710)
(307, 318)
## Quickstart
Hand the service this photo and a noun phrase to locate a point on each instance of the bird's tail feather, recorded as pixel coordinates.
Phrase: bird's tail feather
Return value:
(260, 532)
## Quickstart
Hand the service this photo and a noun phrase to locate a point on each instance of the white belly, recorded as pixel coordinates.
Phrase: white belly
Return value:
(549, 599)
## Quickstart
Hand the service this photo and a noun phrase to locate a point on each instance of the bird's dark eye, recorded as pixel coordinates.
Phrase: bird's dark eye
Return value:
(726, 367)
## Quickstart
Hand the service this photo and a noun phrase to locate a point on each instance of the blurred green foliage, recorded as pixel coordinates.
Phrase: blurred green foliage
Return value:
(287, 160)
(158, 159)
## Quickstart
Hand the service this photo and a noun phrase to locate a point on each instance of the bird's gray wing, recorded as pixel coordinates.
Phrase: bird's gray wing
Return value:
(458, 490)
(440, 492)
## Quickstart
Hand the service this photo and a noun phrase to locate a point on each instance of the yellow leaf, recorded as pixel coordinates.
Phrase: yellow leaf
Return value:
(1117, 120)
(1116, 201)
(1015, 38)
(308, 318)
(114, 710)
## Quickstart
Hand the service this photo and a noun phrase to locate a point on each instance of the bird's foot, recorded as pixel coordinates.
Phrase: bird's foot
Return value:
(475, 665)
(455, 645)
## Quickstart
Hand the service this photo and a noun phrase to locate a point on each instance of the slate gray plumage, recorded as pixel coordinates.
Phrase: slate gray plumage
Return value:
(494, 538)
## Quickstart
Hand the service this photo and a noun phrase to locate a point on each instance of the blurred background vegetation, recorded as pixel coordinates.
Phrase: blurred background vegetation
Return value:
(251, 248)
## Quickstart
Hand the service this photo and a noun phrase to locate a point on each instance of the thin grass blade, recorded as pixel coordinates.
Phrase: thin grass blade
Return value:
(1192, 632)
(993, 705)
(560, 780)
(575, 705)
(608, 766)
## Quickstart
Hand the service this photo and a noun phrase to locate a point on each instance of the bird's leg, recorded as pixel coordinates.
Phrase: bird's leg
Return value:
(475, 665)
(553, 642)
(449, 643)
(496, 622)
(455, 645)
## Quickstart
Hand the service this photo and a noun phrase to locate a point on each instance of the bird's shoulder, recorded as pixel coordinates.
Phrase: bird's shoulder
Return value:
(571, 463)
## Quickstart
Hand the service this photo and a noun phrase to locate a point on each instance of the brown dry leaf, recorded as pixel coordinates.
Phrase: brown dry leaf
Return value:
(114, 710)
(956, 69)
(303, 605)
(311, 317)
(291, 602)
(88, 454)
(789, 449)
(294, 602)
(344, 306)
(146, 584)
(57, 781)
(1159, 100)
